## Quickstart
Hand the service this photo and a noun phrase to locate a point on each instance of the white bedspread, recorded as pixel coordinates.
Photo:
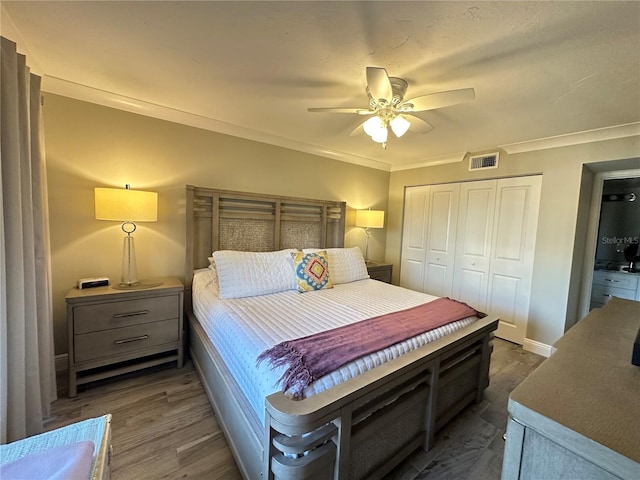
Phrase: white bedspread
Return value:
(240, 329)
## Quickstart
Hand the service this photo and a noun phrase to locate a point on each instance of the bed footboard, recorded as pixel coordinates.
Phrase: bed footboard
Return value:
(363, 428)
(360, 429)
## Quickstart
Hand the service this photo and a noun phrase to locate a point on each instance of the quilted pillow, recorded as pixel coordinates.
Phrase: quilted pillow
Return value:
(312, 271)
(345, 264)
(249, 274)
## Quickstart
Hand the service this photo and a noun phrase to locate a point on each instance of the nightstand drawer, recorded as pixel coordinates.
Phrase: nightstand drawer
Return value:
(91, 346)
(104, 316)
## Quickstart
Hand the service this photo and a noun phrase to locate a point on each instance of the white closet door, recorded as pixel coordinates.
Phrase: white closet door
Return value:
(512, 252)
(473, 243)
(441, 239)
(414, 237)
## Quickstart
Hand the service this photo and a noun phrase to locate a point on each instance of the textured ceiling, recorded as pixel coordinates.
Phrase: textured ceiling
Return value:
(251, 69)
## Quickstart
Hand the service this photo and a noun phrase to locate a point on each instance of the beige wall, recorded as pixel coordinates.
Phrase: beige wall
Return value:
(557, 270)
(88, 146)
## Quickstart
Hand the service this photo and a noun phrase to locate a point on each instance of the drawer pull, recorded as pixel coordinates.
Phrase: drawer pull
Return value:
(129, 340)
(611, 280)
(131, 314)
(607, 295)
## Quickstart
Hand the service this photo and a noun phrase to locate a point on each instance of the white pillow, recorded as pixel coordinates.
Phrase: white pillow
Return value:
(248, 274)
(345, 264)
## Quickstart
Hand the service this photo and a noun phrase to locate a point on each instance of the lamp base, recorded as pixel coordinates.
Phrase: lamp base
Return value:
(367, 234)
(136, 286)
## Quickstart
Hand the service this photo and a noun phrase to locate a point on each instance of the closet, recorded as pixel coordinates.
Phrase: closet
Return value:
(475, 242)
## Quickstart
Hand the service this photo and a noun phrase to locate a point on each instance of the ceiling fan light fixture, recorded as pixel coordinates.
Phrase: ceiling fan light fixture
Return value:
(400, 125)
(388, 107)
(380, 136)
(373, 125)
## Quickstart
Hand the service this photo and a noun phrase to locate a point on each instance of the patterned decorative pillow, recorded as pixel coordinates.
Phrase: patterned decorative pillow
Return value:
(312, 271)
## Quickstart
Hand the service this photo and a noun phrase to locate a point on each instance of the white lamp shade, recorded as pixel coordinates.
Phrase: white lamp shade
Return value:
(370, 218)
(380, 136)
(124, 205)
(373, 125)
(400, 125)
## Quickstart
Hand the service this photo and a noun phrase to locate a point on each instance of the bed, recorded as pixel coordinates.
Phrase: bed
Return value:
(359, 427)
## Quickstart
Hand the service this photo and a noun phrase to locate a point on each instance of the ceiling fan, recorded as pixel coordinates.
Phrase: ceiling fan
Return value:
(388, 109)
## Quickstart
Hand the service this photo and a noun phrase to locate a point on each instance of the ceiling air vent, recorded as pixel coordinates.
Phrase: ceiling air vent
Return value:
(479, 162)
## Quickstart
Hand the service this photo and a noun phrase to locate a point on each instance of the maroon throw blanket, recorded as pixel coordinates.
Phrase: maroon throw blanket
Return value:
(312, 357)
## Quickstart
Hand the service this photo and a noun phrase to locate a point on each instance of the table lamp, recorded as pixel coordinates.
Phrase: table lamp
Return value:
(127, 206)
(368, 219)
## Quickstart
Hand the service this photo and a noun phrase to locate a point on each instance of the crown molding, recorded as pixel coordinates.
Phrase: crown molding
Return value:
(588, 136)
(430, 162)
(105, 98)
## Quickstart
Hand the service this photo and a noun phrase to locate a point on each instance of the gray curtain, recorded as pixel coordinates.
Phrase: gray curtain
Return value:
(27, 361)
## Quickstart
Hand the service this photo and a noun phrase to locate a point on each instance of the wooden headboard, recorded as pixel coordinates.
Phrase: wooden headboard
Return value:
(226, 220)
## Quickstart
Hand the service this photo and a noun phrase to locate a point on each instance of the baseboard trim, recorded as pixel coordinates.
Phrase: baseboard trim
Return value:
(62, 363)
(538, 348)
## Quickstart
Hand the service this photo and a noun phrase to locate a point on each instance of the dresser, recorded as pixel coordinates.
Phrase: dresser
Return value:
(112, 331)
(577, 416)
(608, 284)
(380, 271)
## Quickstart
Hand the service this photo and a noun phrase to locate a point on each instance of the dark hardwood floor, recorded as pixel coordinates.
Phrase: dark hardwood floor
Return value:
(163, 426)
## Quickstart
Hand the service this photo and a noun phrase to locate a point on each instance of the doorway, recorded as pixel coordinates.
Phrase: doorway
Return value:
(613, 224)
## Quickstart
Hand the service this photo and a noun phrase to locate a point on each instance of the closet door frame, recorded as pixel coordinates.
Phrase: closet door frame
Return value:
(444, 255)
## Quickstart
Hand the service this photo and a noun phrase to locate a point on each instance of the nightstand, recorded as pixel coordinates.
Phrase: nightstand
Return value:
(380, 271)
(118, 331)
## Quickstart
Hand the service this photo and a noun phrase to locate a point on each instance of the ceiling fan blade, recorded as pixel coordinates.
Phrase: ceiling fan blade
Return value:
(359, 130)
(437, 100)
(418, 125)
(359, 111)
(378, 85)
